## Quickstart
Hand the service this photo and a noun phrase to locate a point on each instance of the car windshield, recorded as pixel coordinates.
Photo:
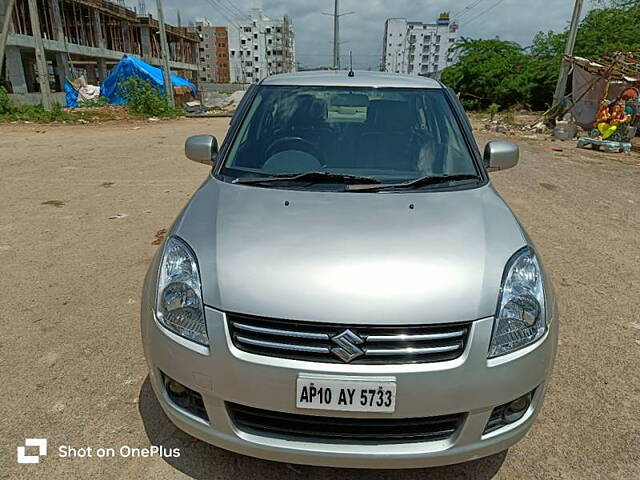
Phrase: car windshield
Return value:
(389, 135)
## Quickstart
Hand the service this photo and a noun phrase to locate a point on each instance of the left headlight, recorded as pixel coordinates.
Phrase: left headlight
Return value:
(520, 317)
(179, 304)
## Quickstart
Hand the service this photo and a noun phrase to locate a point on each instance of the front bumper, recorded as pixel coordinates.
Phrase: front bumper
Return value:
(471, 384)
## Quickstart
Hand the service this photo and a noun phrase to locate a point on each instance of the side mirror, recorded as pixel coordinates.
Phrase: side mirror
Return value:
(201, 149)
(501, 156)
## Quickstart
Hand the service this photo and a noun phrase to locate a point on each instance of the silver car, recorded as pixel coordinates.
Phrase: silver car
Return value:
(346, 288)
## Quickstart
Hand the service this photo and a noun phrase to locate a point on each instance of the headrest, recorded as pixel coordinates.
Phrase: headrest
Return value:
(390, 115)
(308, 111)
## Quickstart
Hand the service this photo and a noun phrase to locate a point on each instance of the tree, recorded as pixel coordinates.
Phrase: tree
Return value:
(491, 71)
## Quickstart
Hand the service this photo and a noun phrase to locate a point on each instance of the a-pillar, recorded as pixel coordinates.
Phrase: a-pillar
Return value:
(16, 70)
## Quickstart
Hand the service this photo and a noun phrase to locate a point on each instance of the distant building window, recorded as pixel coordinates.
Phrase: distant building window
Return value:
(255, 47)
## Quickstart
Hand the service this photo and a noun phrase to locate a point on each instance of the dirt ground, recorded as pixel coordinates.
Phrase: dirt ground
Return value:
(80, 210)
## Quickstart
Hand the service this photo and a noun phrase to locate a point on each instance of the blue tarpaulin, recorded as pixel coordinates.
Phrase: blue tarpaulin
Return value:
(129, 66)
(71, 94)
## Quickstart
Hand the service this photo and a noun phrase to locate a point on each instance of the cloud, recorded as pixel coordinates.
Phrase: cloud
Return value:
(362, 32)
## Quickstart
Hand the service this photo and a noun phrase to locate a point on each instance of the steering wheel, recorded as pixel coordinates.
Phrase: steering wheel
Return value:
(293, 143)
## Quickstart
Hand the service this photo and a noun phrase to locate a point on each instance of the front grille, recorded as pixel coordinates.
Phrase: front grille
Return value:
(337, 429)
(358, 344)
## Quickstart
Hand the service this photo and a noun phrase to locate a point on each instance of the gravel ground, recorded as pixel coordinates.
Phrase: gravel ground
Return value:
(82, 208)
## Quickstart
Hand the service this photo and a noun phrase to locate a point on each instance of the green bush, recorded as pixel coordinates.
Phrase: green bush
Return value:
(29, 113)
(145, 100)
(6, 106)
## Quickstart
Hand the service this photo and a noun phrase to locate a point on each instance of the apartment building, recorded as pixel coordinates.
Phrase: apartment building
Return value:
(260, 47)
(213, 51)
(417, 48)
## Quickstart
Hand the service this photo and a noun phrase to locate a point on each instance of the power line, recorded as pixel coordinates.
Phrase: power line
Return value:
(467, 9)
(217, 7)
(487, 10)
(239, 13)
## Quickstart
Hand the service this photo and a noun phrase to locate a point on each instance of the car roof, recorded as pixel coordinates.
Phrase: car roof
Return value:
(341, 78)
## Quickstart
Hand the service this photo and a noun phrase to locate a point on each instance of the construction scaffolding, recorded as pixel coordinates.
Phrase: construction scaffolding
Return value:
(86, 37)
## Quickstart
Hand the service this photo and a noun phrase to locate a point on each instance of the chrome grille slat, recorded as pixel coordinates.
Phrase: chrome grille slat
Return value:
(282, 346)
(415, 338)
(343, 343)
(411, 350)
(282, 333)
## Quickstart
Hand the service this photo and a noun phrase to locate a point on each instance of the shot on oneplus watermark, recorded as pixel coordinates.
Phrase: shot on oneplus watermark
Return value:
(35, 448)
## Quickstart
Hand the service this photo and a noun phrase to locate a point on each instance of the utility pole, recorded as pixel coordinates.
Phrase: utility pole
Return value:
(336, 37)
(336, 33)
(41, 60)
(166, 70)
(561, 86)
(6, 24)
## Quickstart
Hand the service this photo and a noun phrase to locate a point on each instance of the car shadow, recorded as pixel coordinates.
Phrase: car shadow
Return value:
(202, 461)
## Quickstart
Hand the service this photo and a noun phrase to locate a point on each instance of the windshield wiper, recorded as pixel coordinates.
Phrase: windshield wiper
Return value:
(417, 183)
(312, 177)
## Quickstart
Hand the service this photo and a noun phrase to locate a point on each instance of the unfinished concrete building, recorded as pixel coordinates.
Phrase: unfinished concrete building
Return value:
(86, 37)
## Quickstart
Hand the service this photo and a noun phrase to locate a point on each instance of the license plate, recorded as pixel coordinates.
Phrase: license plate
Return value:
(352, 394)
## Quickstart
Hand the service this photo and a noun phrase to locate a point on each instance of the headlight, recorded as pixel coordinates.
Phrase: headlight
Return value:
(179, 298)
(520, 318)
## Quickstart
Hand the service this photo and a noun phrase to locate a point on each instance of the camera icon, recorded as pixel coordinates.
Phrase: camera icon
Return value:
(41, 443)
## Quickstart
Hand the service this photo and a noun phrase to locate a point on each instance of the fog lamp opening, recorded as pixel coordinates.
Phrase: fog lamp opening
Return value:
(185, 398)
(509, 413)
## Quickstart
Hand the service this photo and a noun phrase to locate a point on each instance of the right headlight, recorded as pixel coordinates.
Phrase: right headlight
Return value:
(179, 298)
(520, 317)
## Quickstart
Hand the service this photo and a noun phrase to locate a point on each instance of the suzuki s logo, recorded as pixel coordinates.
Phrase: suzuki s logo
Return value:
(347, 348)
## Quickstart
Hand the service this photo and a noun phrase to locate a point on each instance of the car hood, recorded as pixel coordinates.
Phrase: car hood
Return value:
(356, 258)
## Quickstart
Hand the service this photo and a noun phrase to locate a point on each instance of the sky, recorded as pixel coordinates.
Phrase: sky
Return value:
(362, 31)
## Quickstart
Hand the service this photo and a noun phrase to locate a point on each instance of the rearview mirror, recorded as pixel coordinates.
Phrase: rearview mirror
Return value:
(201, 148)
(501, 156)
